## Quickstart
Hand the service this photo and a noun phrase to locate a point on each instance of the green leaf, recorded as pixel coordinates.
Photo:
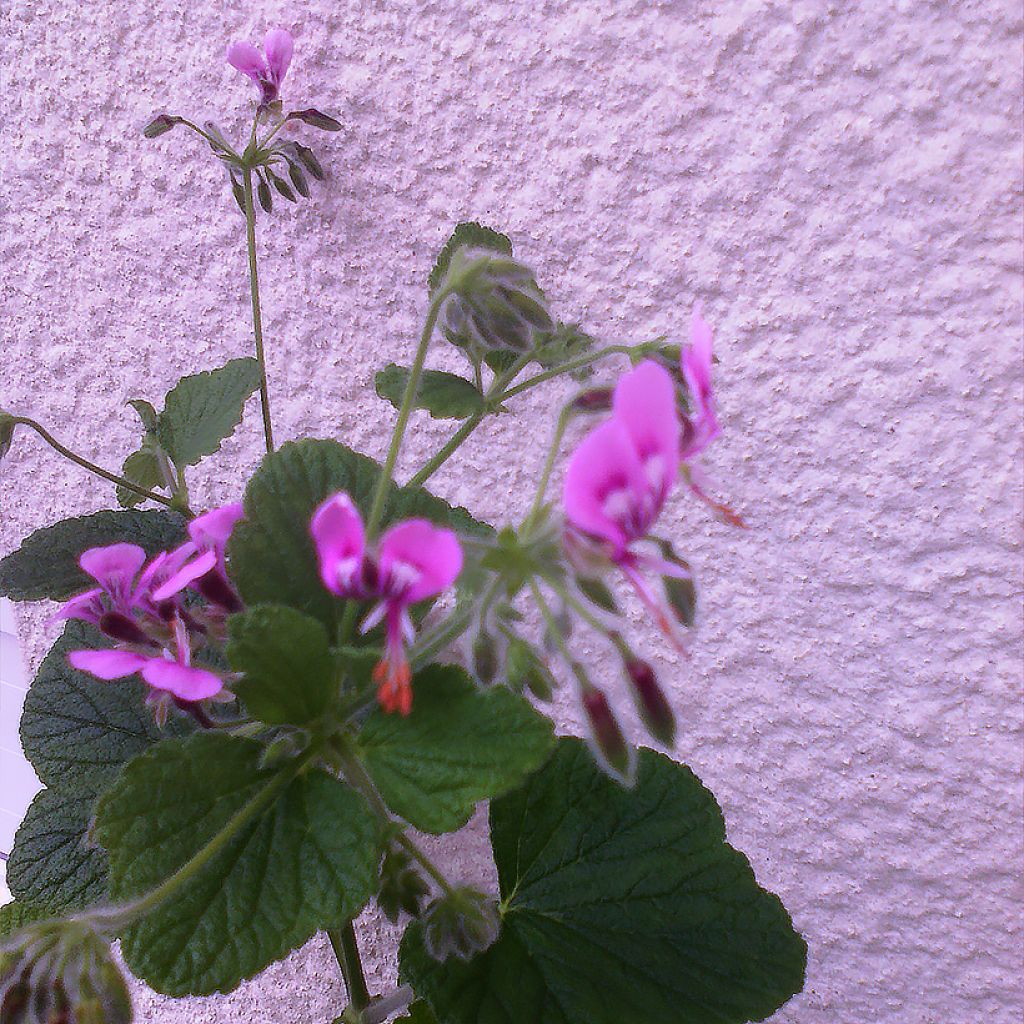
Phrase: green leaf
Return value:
(446, 396)
(142, 468)
(147, 414)
(290, 675)
(202, 410)
(619, 905)
(78, 731)
(46, 564)
(271, 553)
(16, 915)
(306, 862)
(459, 745)
(472, 234)
(53, 863)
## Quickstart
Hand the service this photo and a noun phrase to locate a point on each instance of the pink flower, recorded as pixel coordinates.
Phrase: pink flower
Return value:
(201, 560)
(702, 425)
(413, 561)
(169, 672)
(620, 476)
(267, 69)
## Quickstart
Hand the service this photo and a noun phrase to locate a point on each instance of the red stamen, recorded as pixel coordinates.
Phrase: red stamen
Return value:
(393, 676)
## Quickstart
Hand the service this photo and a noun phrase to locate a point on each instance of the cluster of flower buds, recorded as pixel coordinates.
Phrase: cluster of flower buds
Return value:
(402, 887)
(495, 304)
(152, 612)
(61, 972)
(461, 923)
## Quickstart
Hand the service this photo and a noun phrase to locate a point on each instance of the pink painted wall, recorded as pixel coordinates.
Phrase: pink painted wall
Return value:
(840, 181)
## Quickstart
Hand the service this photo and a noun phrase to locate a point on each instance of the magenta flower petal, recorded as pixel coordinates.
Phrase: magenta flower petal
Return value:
(278, 45)
(696, 363)
(183, 681)
(247, 59)
(603, 483)
(114, 565)
(188, 573)
(338, 535)
(418, 560)
(645, 404)
(107, 664)
(88, 607)
(213, 529)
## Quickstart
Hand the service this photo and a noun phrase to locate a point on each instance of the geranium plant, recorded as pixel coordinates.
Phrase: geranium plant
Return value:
(253, 710)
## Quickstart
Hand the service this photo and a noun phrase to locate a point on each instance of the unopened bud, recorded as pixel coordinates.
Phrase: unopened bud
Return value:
(6, 432)
(216, 589)
(651, 704)
(460, 923)
(593, 400)
(315, 118)
(613, 751)
(160, 124)
(402, 887)
(525, 670)
(120, 627)
(682, 597)
(597, 593)
(485, 657)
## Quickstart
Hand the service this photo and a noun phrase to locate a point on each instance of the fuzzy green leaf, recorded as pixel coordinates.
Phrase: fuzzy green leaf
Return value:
(78, 731)
(16, 915)
(53, 863)
(289, 673)
(446, 396)
(142, 468)
(307, 861)
(619, 905)
(46, 564)
(201, 410)
(460, 745)
(468, 233)
(271, 553)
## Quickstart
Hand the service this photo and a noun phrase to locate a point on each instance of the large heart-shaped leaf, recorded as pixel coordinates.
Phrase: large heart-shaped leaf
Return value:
(618, 905)
(204, 408)
(305, 859)
(46, 564)
(53, 863)
(78, 731)
(459, 745)
(271, 553)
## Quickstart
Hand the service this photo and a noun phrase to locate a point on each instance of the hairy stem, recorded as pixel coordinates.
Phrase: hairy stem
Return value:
(257, 316)
(346, 949)
(408, 400)
(549, 464)
(98, 470)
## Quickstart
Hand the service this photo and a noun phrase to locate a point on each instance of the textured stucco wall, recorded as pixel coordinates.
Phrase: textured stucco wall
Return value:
(840, 181)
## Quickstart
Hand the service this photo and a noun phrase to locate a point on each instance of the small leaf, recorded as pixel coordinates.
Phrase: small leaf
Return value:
(468, 233)
(304, 863)
(160, 124)
(53, 863)
(264, 196)
(290, 676)
(563, 344)
(308, 160)
(202, 410)
(316, 119)
(142, 468)
(617, 906)
(46, 564)
(443, 395)
(298, 179)
(146, 412)
(271, 553)
(460, 745)
(78, 731)
(281, 185)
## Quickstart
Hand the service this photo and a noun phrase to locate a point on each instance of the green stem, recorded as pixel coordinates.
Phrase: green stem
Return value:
(427, 864)
(564, 417)
(556, 634)
(119, 916)
(408, 400)
(257, 316)
(492, 400)
(98, 470)
(577, 364)
(346, 949)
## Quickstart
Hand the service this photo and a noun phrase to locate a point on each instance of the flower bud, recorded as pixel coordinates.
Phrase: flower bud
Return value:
(525, 670)
(402, 887)
(651, 703)
(613, 752)
(596, 591)
(593, 400)
(485, 657)
(6, 432)
(461, 923)
(160, 124)
(120, 627)
(316, 119)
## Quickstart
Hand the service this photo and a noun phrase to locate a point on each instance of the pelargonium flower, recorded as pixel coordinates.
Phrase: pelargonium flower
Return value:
(701, 427)
(201, 560)
(412, 561)
(620, 476)
(267, 69)
(168, 671)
